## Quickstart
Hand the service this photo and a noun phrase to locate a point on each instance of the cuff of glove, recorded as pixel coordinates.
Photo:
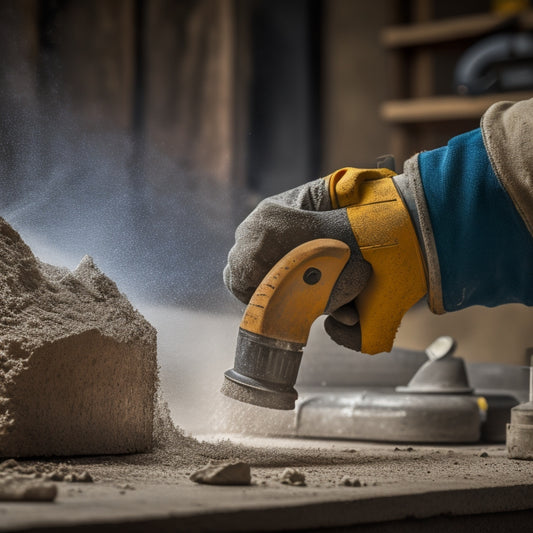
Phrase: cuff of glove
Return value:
(387, 239)
(410, 186)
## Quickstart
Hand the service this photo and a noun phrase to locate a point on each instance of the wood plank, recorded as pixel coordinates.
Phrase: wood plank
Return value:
(423, 61)
(87, 63)
(190, 98)
(90, 61)
(19, 100)
(444, 107)
(284, 146)
(355, 82)
(241, 90)
(19, 45)
(440, 31)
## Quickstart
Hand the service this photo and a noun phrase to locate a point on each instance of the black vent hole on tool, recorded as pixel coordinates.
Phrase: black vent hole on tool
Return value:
(312, 276)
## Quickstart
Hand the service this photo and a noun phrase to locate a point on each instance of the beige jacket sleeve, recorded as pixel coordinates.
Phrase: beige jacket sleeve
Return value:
(507, 130)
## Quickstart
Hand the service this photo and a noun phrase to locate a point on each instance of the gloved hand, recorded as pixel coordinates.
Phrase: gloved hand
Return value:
(282, 222)
(311, 211)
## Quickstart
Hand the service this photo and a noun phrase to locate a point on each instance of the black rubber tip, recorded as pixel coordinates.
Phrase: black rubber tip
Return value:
(248, 390)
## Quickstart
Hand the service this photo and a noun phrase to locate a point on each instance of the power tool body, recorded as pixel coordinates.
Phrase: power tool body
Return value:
(276, 323)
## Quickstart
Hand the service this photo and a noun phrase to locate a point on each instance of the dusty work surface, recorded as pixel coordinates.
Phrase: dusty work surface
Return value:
(134, 492)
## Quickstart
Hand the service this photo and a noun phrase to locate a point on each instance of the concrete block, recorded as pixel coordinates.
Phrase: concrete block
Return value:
(78, 364)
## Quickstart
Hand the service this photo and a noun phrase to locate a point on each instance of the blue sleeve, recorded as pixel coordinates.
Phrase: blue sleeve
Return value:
(484, 248)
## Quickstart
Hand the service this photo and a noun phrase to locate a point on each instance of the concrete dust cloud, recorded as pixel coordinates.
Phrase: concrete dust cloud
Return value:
(158, 231)
(161, 233)
(92, 98)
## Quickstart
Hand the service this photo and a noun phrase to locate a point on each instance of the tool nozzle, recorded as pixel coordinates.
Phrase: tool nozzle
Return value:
(265, 371)
(276, 323)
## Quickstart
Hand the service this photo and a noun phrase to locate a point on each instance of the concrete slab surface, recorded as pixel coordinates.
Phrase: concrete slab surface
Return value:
(401, 485)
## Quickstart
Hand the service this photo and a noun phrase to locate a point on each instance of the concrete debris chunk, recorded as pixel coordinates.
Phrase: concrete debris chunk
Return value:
(8, 464)
(74, 477)
(12, 470)
(78, 363)
(12, 490)
(223, 474)
(348, 481)
(84, 477)
(54, 476)
(125, 486)
(291, 476)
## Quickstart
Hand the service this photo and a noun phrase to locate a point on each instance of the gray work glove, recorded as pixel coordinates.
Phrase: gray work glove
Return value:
(279, 224)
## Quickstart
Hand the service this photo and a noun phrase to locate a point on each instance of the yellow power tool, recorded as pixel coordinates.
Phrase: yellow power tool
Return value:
(276, 323)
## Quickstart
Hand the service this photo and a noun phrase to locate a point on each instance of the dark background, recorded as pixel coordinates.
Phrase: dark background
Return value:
(142, 131)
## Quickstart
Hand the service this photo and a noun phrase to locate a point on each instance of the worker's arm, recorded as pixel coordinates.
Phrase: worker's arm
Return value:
(471, 204)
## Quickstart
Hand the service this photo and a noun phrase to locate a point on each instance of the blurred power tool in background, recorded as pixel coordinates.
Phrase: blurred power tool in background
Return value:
(502, 62)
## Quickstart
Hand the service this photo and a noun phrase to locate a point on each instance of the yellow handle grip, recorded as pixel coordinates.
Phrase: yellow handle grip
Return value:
(387, 239)
(296, 291)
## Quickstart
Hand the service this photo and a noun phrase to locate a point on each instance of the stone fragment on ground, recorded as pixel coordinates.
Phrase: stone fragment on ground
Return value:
(348, 481)
(70, 477)
(223, 474)
(291, 476)
(12, 490)
(11, 469)
(125, 486)
(77, 362)
(9, 464)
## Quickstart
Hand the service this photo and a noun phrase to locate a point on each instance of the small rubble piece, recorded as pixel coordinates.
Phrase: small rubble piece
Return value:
(8, 464)
(125, 486)
(408, 449)
(223, 474)
(74, 477)
(78, 368)
(483, 454)
(14, 490)
(291, 476)
(348, 481)
(84, 477)
(11, 469)
(55, 475)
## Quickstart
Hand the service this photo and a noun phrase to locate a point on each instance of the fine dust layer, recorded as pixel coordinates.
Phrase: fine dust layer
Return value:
(392, 484)
(78, 369)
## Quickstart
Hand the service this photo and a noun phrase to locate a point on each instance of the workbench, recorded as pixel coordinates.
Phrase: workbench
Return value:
(403, 488)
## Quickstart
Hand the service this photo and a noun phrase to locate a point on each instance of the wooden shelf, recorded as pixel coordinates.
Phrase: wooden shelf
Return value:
(440, 31)
(441, 108)
(417, 51)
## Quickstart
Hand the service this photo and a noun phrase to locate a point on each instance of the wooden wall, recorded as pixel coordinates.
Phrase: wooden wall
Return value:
(120, 136)
(235, 92)
(161, 72)
(189, 105)
(355, 82)
(18, 91)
